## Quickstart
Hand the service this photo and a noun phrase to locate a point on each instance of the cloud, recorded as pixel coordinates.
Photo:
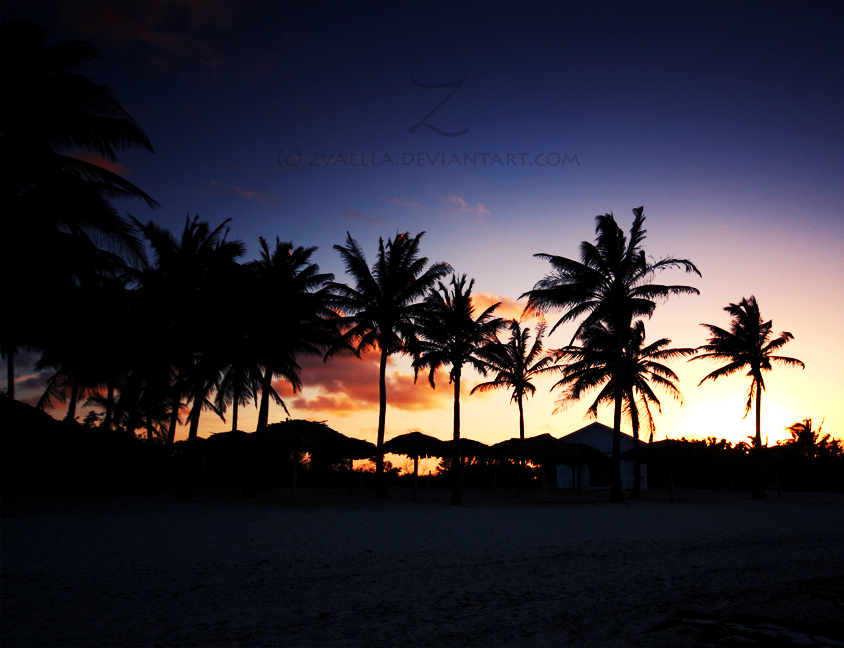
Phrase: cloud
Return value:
(358, 216)
(478, 209)
(405, 203)
(180, 36)
(510, 308)
(266, 199)
(100, 161)
(347, 385)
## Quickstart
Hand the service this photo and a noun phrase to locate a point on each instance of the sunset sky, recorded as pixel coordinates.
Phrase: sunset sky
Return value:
(725, 121)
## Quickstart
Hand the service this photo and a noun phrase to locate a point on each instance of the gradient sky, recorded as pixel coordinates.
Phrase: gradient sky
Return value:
(725, 121)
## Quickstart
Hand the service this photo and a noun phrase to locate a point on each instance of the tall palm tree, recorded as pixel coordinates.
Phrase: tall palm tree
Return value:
(590, 365)
(292, 316)
(612, 283)
(55, 207)
(748, 345)
(382, 311)
(516, 363)
(451, 335)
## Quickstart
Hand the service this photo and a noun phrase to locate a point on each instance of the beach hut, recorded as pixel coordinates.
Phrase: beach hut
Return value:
(596, 475)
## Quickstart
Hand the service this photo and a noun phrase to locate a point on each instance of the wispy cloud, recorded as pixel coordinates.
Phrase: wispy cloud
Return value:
(478, 209)
(405, 203)
(267, 199)
(353, 214)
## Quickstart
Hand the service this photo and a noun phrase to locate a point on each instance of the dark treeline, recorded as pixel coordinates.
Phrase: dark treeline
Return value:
(137, 322)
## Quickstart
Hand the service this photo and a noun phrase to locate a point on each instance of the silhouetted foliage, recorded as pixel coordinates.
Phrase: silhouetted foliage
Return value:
(748, 345)
(611, 284)
(383, 309)
(55, 206)
(450, 335)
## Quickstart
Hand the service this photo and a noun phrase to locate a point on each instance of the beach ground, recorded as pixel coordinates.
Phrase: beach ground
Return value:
(341, 568)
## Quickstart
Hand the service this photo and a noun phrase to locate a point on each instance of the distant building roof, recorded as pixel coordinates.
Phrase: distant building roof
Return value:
(599, 436)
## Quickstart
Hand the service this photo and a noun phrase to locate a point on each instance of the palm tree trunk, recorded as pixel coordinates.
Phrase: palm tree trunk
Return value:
(415, 477)
(520, 478)
(109, 406)
(380, 480)
(71, 406)
(616, 487)
(234, 414)
(190, 453)
(174, 412)
(637, 466)
(264, 411)
(456, 462)
(617, 490)
(759, 492)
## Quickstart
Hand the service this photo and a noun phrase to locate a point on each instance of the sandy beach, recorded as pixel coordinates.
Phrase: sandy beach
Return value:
(343, 569)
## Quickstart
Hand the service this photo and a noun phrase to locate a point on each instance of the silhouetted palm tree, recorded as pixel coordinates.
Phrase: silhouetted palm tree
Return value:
(241, 383)
(292, 316)
(591, 365)
(187, 278)
(450, 335)
(748, 345)
(515, 365)
(56, 207)
(383, 309)
(807, 440)
(612, 283)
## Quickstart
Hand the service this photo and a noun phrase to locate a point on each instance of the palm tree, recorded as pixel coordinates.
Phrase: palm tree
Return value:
(612, 283)
(56, 207)
(807, 440)
(748, 345)
(187, 278)
(515, 364)
(241, 383)
(450, 335)
(292, 316)
(591, 365)
(383, 310)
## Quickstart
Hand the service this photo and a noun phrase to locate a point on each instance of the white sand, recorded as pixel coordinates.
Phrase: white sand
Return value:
(341, 569)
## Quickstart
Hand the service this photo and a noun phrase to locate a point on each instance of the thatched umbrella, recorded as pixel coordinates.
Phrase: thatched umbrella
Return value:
(297, 436)
(417, 445)
(541, 449)
(468, 448)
